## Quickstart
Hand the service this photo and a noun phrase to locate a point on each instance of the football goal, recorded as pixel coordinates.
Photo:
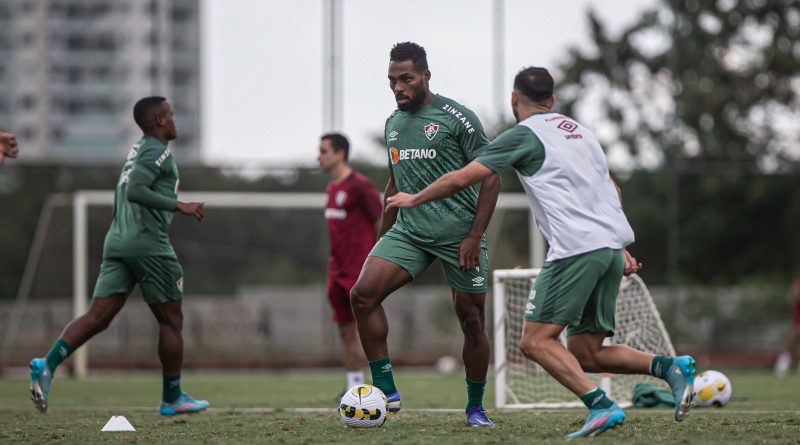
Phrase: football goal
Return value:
(521, 383)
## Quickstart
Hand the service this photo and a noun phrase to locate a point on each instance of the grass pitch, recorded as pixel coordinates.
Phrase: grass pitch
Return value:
(265, 407)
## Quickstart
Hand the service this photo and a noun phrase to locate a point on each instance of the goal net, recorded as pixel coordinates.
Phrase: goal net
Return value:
(521, 383)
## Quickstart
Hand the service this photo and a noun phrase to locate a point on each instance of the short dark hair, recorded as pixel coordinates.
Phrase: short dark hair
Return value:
(535, 83)
(146, 110)
(339, 142)
(409, 51)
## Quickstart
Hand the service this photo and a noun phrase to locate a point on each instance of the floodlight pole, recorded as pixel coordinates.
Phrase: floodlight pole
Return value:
(79, 285)
(332, 67)
(499, 56)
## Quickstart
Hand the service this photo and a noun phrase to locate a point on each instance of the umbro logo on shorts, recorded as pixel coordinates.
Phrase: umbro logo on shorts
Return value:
(477, 281)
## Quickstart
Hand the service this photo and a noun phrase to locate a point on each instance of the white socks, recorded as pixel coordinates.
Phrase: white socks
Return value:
(354, 378)
(783, 364)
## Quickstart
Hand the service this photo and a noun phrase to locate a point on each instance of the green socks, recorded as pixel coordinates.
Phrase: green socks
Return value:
(475, 393)
(597, 399)
(382, 375)
(660, 366)
(58, 353)
(172, 388)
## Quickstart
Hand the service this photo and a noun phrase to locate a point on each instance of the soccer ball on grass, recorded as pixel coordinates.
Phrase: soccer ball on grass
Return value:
(363, 406)
(712, 388)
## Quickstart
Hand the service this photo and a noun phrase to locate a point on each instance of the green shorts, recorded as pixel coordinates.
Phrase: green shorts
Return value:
(160, 277)
(414, 257)
(579, 291)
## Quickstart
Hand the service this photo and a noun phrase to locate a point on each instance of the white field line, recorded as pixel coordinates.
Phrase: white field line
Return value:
(267, 410)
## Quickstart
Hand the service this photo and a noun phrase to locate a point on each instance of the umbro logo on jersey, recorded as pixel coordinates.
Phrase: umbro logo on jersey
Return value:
(431, 130)
(393, 136)
(567, 126)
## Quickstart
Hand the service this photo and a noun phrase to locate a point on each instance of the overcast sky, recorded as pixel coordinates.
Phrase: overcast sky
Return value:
(262, 65)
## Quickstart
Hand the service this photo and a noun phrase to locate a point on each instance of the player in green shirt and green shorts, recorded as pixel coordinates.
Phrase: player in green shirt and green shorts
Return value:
(428, 136)
(137, 250)
(578, 209)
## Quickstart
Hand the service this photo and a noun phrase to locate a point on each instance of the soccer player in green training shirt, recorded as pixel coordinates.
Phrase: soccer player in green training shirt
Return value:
(137, 250)
(428, 136)
(578, 209)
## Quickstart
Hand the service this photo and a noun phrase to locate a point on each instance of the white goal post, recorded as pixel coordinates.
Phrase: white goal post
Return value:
(84, 199)
(521, 383)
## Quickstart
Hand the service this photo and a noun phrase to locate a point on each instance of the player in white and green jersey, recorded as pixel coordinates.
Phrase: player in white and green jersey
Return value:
(428, 136)
(137, 250)
(579, 211)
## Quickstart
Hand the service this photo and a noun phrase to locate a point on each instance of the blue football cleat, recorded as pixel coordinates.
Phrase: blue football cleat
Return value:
(476, 416)
(393, 404)
(599, 421)
(182, 405)
(680, 378)
(40, 383)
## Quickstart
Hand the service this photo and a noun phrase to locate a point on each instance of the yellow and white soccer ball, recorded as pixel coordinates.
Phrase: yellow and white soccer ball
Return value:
(712, 388)
(363, 406)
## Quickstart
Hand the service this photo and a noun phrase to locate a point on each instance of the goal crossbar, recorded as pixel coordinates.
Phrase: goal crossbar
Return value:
(83, 199)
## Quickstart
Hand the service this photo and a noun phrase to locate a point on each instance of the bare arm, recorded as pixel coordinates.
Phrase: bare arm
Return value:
(446, 185)
(389, 214)
(377, 227)
(469, 251)
(487, 199)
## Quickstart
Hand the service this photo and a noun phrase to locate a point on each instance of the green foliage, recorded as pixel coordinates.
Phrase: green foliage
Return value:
(710, 81)
(706, 95)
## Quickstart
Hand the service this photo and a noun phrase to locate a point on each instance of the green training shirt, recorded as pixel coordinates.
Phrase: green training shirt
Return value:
(138, 229)
(516, 147)
(441, 137)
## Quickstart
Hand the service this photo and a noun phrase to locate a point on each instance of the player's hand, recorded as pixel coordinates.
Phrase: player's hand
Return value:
(400, 200)
(631, 265)
(191, 209)
(8, 145)
(469, 253)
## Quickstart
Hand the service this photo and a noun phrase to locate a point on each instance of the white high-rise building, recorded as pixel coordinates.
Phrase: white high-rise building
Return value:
(71, 71)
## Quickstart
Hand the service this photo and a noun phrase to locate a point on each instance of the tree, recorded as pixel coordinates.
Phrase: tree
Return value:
(715, 82)
(706, 95)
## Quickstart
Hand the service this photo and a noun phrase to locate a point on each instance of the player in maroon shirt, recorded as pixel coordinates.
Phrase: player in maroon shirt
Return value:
(8, 145)
(353, 213)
